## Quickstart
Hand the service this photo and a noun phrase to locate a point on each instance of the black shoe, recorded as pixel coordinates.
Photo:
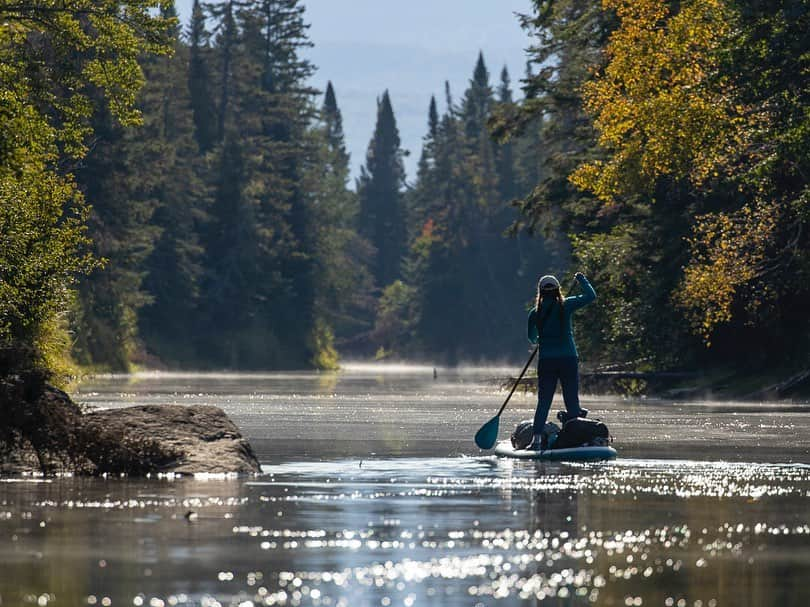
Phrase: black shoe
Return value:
(565, 416)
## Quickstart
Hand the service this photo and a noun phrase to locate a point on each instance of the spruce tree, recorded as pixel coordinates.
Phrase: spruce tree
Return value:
(226, 47)
(458, 256)
(477, 101)
(120, 177)
(174, 267)
(287, 115)
(487, 255)
(432, 267)
(264, 201)
(382, 179)
(343, 298)
(240, 269)
(505, 152)
(433, 119)
(199, 81)
(418, 198)
(333, 125)
(233, 268)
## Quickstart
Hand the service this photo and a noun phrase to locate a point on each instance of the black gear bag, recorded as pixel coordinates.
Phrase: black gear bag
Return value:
(579, 431)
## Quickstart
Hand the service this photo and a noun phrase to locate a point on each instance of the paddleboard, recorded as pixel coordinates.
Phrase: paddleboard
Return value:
(575, 454)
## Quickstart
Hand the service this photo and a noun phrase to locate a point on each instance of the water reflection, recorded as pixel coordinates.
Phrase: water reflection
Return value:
(574, 534)
(416, 531)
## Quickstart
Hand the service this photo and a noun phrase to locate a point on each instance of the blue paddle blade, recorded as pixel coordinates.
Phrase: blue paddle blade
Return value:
(485, 437)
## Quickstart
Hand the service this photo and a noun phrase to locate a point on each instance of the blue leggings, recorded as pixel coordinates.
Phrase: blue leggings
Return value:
(549, 370)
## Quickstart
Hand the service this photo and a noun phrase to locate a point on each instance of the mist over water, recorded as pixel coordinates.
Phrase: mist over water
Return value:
(373, 493)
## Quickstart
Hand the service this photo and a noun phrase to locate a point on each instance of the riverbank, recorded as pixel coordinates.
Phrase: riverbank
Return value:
(723, 384)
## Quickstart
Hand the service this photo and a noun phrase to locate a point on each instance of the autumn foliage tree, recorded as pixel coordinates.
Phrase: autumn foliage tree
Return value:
(684, 99)
(674, 156)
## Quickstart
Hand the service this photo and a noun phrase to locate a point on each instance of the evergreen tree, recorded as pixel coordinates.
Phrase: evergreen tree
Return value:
(507, 186)
(287, 117)
(477, 101)
(430, 265)
(489, 260)
(261, 242)
(458, 256)
(343, 298)
(226, 47)
(174, 267)
(333, 125)
(433, 120)
(427, 158)
(233, 268)
(418, 198)
(119, 176)
(205, 116)
(448, 99)
(382, 179)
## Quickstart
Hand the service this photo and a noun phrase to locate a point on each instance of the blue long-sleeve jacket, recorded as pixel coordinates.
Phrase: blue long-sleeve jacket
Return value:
(558, 337)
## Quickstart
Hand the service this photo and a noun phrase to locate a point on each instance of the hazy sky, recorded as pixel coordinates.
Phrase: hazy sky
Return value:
(410, 48)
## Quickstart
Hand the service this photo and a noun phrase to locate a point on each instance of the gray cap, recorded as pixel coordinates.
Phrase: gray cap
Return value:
(548, 283)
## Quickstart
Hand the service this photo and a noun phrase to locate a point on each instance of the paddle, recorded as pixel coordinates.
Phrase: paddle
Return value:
(488, 433)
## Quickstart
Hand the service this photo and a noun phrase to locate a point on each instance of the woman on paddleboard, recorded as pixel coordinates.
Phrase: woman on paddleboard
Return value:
(550, 325)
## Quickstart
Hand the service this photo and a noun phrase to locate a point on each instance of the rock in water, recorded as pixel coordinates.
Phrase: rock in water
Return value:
(206, 440)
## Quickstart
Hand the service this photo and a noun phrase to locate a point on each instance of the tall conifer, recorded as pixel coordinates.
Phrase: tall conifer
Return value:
(477, 101)
(174, 267)
(199, 81)
(382, 179)
(121, 177)
(505, 152)
(226, 46)
(418, 199)
(333, 124)
(263, 235)
(343, 298)
(287, 115)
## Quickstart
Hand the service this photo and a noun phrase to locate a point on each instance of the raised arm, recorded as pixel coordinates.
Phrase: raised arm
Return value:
(588, 294)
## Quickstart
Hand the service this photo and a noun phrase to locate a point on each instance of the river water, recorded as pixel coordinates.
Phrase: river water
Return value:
(373, 494)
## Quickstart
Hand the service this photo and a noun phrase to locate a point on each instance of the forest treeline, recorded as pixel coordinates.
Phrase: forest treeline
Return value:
(180, 195)
(224, 232)
(235, 238)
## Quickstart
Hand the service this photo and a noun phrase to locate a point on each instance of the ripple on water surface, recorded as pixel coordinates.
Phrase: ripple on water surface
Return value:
(361, 518)
(416, 531)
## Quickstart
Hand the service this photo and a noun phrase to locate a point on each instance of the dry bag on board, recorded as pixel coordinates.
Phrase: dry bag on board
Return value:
(580, 431)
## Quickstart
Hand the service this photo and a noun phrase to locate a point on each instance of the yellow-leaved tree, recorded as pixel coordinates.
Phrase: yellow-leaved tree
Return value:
(670, 107)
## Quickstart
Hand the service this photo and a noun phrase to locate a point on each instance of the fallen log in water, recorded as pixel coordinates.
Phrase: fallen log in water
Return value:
(624, 382)
(795, 384)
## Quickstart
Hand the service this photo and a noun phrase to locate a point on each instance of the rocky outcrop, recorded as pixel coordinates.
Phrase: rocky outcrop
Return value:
(42, 430)
(203, 438)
